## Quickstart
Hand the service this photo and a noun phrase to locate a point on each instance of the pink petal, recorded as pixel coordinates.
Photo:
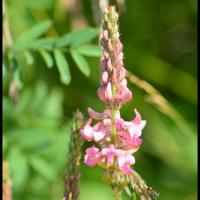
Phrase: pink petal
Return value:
(124, 94)
(107, 122)
(104, 77)
(124, 161)
(107, 112)
(126, 169)
(121, 74)
(98, 135)
(109, 91)
(137, 119)
(103, 64)
(119, 124)
(110, 153)
(87, 133)
(109, 65)
(93, 156)
(124, 82)
(92, 150)
(97, 115)
(142, 124)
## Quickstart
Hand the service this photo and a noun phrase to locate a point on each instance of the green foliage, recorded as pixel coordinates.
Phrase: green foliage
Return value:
(43, 168)
(30, 40)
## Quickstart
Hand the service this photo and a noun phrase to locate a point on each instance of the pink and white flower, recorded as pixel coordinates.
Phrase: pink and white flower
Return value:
(96, 133)
(135, 127)
(126, 136)
(125, 159)
(131, 131)
(110, 153)
(93, 156)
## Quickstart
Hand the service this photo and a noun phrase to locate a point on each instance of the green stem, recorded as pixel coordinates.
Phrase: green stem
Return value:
(117, 191)
(117, 194)
(113, 128)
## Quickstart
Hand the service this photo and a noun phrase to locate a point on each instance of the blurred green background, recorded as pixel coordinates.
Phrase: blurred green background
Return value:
(159, 40)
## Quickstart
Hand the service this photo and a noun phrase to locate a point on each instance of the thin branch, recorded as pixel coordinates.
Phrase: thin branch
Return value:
(161, 103)
(6, 29)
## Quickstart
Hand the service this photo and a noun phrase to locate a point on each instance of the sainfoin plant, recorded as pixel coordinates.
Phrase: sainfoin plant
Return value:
(117, 139)
(114, 140)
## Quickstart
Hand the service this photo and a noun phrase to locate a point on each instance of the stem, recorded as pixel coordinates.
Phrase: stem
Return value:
(117, 194)
(72, 176)
(113, 128)
(116, 189)
(7, 33)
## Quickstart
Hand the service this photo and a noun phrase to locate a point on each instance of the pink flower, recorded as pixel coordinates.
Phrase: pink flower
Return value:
(105, 93)
(130, 132)
(124, 94)
(125, 159)
(125, 140)
(100, 131)
(96, 133)
(99, 116)
(131, 142)
(119, 124)
(110, 154)
(109, 65)
(103, 63)
(135, 127)
(138, 120)
(104, 77)
(87, 131)
(93, 156)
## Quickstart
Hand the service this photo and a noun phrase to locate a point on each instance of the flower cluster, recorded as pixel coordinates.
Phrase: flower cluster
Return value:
(116, 139)
(113, 88)
(127, 140)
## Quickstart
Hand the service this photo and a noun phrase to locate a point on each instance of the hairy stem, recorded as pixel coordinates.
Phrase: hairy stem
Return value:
(72, 175)
(117, 194)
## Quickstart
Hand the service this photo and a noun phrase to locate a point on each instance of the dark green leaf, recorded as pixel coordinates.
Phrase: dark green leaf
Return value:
(90, 50)
(47, 57)
(42, 167)
(16, 73)
(63, 66)
(81, 62)
(77, 37)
